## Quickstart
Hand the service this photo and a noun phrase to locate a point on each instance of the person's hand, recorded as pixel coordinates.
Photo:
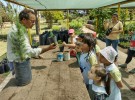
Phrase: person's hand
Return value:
(64, 43)
(52, 46)
(41, 57)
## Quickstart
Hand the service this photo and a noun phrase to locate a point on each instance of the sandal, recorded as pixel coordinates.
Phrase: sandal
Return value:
(132, 71)
(132, 89)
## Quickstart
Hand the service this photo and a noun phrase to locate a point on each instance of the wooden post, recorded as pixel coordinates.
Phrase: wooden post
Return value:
(36, 23)
(119, 10)
(97, 24)
(67, 19)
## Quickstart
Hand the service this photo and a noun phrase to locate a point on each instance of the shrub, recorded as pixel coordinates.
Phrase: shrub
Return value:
(55, 28)
(131, 26)
(75, 24)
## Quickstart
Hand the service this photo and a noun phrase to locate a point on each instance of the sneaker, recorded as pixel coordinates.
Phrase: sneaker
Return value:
(132, 71)
(123, 65)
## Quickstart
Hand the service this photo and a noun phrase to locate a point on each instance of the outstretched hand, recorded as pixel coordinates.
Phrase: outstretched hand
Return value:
(52, 46)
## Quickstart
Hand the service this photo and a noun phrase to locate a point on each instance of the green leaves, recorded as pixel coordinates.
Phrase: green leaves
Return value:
(18, 40)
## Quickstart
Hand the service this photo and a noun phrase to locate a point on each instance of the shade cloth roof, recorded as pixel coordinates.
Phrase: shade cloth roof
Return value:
(64, 4)
(127, 5)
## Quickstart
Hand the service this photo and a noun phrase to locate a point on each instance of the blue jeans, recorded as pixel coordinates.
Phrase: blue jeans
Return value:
(114, 43)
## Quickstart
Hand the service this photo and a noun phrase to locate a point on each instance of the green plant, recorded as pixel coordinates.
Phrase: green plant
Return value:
(18, 38)
(56, 28)
(100, 15)
(76, 25)
(51, 34)
(59, 42)
(52, 15)
(131, 26)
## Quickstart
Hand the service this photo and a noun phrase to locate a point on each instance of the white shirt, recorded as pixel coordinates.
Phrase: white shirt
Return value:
(10, 54)
(74, 39)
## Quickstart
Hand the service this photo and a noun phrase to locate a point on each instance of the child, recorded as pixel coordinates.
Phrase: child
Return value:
(71, 39)
(107, 57)
(96, 48)
(97, 76)
(71, 42)
(78, 50)
(80, 37)
(87, 58)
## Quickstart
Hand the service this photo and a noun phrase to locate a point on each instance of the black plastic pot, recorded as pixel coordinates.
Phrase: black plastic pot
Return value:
(61, 48)
(1, 68)
(52, 40)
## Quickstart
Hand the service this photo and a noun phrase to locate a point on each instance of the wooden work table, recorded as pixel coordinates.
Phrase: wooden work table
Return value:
(52, 80)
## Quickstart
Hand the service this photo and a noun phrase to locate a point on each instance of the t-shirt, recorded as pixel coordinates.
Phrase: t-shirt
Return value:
(74, 39)
(116, 27)
(97, 48)
(93, 59)
(115, 74)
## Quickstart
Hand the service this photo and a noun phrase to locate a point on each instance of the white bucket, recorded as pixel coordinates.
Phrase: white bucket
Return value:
(66, 55)
(60, 56)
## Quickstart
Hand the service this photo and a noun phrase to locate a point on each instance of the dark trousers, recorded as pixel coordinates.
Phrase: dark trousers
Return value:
(130, 55)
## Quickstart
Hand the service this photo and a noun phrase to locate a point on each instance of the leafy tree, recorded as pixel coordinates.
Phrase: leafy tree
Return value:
(11, 12)
(76, 24)
(58, 15)
(50, 16)
(100, 15)
(2, 14)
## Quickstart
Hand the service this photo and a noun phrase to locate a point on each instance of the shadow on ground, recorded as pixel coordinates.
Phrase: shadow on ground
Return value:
(74, 65)
(3, 37)
(11, 83)
(127, 94)
(124, 73)
(38, 67)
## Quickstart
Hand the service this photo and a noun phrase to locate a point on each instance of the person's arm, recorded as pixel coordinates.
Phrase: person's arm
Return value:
(119, 84)
(106, 25)
(35, 52)
(116, 75)
(50, 47)
(69, 45)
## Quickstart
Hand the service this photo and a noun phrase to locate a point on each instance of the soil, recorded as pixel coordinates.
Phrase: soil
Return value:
(123, 50)
(1, 78)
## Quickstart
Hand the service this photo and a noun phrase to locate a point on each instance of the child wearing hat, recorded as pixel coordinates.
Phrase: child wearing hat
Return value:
(71, 39)
(107, 57)
(71, 42)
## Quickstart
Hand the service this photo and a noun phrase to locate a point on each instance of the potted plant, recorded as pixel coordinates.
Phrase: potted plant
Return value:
(61, 47)
(52, 38)
(18, 40)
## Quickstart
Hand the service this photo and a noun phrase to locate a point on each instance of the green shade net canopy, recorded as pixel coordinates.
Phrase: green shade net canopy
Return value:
(127, 5)
(64, 4)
